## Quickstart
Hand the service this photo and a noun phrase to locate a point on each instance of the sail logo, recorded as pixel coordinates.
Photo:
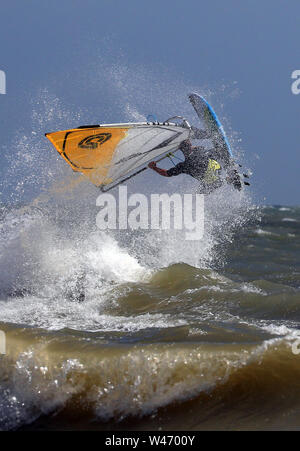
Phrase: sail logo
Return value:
(163, 212)
(92, 142)
(2, 82)
(2, 342)
(295, 87)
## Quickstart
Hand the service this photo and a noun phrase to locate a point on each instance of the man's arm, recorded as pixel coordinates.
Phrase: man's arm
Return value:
(166, 173)
(160, 171)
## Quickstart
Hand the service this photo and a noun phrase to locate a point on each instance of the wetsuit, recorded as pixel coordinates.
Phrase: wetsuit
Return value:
(204, 165)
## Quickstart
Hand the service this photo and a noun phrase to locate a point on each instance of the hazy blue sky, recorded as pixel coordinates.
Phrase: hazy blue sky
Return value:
(68, 61)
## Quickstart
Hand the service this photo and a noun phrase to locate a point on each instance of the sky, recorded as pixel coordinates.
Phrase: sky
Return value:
(113, 60)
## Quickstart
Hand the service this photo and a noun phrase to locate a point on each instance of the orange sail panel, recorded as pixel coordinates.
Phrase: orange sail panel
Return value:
(89, 150)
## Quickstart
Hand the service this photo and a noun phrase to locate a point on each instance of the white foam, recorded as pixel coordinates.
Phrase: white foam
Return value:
(289, 220)
(265, 232)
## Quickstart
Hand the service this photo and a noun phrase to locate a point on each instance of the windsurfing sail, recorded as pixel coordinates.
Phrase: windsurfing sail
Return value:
(107, 153)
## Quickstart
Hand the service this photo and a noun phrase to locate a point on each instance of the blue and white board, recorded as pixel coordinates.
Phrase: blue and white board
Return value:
(206, 114)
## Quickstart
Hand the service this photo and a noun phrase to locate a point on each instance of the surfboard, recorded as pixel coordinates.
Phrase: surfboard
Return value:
(208, 116)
